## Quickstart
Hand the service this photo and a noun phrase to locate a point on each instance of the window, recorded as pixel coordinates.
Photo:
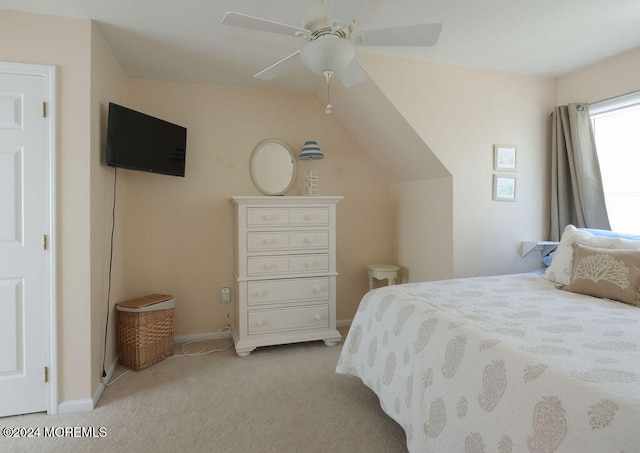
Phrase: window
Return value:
(616, 126)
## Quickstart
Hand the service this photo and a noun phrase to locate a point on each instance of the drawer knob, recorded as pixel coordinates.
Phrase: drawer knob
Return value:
(309, 263)
(317, 317)
(308, 240)
(259, 322)
(261, 293)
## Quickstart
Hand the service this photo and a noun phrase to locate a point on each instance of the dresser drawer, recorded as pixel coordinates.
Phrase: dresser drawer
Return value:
(296, 289)
(267, 217)
(309, 216)
(267, 265)
(260, 242)
(309, 240)
(265, 321)
(309, 263)
(297, 240)
(294, 264)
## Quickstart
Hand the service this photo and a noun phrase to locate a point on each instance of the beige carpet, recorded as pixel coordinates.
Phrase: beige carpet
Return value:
(280, 399)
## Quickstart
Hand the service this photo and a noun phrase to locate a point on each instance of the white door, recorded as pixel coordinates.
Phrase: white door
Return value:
(23, 259)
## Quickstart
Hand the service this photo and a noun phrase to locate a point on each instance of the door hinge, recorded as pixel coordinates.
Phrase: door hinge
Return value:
(46, 374)
(44, 242)
(44, 109)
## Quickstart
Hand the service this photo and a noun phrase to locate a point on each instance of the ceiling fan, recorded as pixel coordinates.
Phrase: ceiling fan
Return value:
(330, 40)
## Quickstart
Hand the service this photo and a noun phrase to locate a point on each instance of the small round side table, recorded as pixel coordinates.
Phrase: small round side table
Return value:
(381, 272)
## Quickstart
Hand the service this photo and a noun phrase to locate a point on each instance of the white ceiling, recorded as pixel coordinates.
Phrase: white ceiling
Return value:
(184, 40)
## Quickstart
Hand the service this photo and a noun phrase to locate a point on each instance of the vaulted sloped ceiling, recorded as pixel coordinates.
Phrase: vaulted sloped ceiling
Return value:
(382, 132)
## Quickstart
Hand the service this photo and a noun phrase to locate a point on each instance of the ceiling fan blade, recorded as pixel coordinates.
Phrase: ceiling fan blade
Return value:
(256, 23)
(422, 35)
(343, 12)
(353, 75)
(281, 66)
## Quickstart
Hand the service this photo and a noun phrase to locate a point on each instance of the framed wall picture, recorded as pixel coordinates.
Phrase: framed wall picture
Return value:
(504, 187)
(504, 158)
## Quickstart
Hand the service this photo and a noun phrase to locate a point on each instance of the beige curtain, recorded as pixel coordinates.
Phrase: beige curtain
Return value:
(577, 196)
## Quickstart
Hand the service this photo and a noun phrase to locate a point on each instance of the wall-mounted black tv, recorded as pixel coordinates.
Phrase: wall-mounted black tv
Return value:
(141, 142)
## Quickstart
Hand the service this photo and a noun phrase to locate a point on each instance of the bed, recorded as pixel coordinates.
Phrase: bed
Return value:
(503, 364)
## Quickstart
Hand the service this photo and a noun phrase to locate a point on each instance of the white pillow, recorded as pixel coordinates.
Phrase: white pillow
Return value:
(562, 264)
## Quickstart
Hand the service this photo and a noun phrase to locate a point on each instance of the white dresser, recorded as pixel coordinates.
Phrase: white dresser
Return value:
(285, 269)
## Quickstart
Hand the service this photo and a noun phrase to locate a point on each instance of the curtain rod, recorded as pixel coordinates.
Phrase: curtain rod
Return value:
(613, 103)
(580, 108)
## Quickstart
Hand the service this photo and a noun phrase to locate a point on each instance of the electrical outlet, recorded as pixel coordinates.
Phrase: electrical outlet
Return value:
(225, 295)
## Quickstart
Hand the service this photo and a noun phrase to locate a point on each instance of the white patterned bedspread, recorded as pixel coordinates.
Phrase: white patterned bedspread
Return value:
(500, 364)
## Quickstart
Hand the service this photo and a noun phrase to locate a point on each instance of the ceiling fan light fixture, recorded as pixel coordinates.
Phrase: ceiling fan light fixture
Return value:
(328, 53)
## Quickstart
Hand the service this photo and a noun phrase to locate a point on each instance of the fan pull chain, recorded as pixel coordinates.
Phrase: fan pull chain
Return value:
(328, 75)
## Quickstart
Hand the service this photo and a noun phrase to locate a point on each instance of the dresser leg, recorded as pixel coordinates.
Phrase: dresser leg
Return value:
(244, 352)
(330, 342)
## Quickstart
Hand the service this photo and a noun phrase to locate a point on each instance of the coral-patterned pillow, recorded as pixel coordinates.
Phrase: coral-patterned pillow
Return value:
(607, 273)
(562, 264)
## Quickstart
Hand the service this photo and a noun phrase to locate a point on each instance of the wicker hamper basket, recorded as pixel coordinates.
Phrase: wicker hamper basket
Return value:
(145, 330)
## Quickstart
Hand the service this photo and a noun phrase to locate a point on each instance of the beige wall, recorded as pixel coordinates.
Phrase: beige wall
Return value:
(108, 83)
(421, 187)
(179, 231)
(422, 212)
(461, 113)
(610, 78)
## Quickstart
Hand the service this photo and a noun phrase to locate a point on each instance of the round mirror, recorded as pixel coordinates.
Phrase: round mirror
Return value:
(273, 167)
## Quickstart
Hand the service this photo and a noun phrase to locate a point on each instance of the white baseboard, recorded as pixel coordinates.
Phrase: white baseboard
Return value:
(227, 334)
(88, 404)
(202, 337)
(69, 407)
(101, 388)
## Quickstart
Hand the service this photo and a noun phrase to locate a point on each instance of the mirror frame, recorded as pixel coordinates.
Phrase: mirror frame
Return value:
(252, 169)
